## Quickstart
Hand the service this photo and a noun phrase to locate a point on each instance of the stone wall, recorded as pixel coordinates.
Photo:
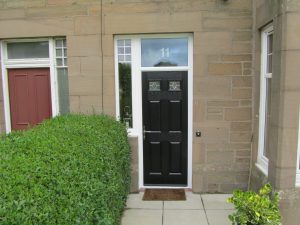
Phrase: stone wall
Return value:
(223, 69)
(222, 78)
(285, 16)
(134, 187)
(80, 22)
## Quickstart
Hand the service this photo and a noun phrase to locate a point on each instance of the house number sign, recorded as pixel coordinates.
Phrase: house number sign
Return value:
(164, 52)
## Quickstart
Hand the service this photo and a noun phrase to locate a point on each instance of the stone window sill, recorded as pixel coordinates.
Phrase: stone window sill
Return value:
(262, 168)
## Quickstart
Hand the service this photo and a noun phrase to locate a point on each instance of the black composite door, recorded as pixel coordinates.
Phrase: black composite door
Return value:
(165, 128)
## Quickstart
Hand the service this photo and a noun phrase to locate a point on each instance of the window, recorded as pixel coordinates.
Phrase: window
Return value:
(61, 65)
(298, 156)
(158, 52)
(61, 52)
(124, 75)
(265, 98)
(28, 50)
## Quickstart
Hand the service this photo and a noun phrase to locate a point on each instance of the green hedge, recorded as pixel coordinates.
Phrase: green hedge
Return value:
(69, 170)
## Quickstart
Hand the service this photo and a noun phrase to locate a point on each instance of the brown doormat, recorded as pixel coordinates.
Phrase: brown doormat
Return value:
(164, 195)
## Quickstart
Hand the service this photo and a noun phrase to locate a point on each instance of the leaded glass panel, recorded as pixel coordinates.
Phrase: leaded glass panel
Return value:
(154, 85)
(174, 86)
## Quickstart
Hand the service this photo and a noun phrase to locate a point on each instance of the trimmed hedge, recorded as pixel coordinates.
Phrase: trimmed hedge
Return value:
(72, 169)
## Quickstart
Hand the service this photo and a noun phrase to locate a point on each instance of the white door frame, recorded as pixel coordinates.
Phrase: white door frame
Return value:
(137, 69)
(7, 64)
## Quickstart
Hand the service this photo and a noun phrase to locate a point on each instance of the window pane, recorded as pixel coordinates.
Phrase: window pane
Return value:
(125, 93)
(128, 58)
(128, 50)
(267, 117)
(269, 53)
(270, 63)
(121, 42)
(121, 58)
(59, 43)
(59, 52)
(121, 50)
(63, 90)
(28, 50)
(59, 62)
(165, 52)
(270, 43)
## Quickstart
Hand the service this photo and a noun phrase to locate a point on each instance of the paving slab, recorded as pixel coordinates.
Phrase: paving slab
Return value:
(216, 201)
(184, 217)
(218, 217)
(142, 217)
(193, 201)
(135, 201)
(204, 209)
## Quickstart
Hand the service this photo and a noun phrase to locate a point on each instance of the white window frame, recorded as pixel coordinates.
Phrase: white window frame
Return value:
(263, 161)
(298, 156)
(132, 131)
(63, 57)
(27, 63)
(136, 82)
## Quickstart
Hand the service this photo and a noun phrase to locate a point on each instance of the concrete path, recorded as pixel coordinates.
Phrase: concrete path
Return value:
(205, 209)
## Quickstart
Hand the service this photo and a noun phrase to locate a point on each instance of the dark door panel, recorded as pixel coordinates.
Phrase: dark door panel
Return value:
(165, 128)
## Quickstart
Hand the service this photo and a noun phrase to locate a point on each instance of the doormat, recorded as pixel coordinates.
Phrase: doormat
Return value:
(164, 195)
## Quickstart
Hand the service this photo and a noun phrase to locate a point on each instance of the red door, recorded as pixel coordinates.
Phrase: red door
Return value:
(30, 97)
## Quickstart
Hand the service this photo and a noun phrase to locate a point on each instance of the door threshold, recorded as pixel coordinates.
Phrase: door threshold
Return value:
(165, 187)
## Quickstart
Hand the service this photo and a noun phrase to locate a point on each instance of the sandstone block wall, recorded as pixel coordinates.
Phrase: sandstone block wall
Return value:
(223, 67)
(285, 16)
